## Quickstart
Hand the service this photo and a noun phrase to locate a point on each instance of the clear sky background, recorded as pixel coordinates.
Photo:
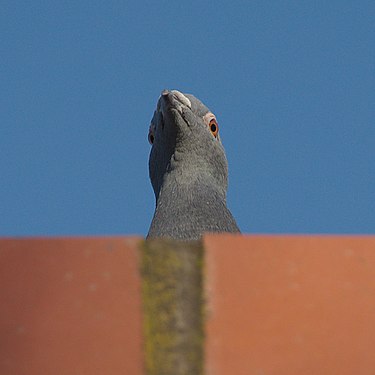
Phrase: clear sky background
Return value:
(292, 84)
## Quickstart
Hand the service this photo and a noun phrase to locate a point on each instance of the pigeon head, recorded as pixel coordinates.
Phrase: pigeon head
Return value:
(185, 140)
(188, 170)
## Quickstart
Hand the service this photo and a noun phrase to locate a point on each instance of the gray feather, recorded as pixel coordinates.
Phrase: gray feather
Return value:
(188, 171)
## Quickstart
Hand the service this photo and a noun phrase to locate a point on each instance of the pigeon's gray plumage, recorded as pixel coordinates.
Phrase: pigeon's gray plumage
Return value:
(188, 170)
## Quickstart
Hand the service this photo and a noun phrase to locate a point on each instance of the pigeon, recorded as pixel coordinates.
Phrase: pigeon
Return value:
(188, 170)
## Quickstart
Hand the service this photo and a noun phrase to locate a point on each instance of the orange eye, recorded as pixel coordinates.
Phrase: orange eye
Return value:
(214, 127)
(151, 136)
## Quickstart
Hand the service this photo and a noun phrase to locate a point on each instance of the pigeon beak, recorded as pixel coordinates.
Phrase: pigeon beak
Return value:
(175, 98)
(171, 103)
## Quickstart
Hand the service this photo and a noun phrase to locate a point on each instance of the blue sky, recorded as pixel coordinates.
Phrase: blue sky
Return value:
(292, 84)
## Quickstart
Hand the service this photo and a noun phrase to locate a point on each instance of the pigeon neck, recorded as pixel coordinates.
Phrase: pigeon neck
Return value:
(192, 188)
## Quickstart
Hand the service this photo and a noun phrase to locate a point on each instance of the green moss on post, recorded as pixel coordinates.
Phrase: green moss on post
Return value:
(172, 303)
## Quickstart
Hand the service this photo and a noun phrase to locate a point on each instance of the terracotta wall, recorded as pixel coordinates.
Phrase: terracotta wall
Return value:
(230, 305)
(70, 306)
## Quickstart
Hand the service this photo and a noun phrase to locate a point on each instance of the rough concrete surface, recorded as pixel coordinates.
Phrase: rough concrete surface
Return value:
(172, 302)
